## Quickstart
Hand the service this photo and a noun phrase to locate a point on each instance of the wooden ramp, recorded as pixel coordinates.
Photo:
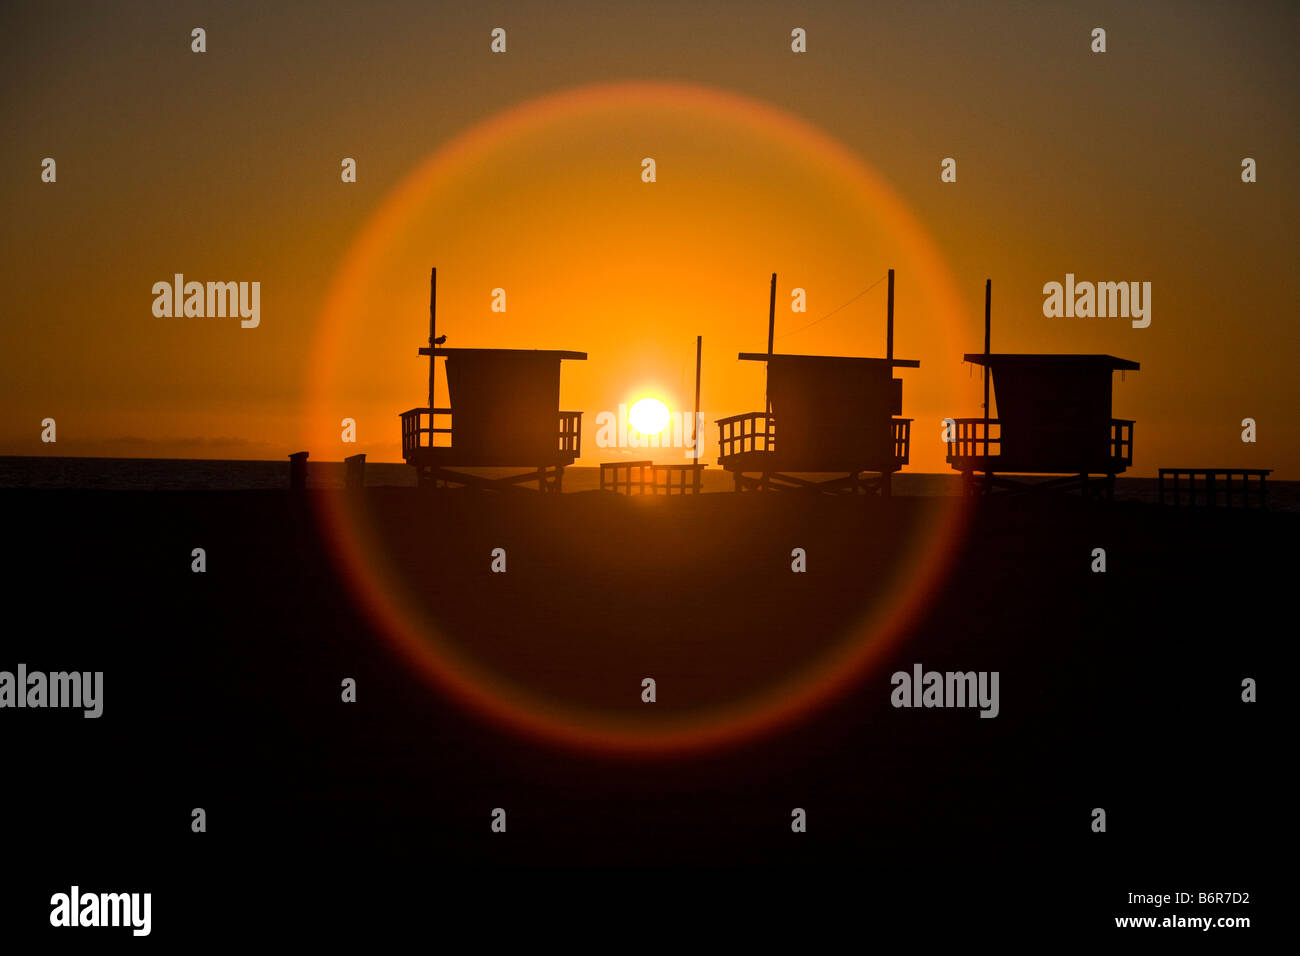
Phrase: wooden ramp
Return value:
(1251, 486)
(647, 478)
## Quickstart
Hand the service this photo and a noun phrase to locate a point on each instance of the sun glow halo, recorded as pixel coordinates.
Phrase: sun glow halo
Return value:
(649, 416)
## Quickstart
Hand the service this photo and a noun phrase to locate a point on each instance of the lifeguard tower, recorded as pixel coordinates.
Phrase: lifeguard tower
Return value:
(503, 412)
(1054, 419)
(825, 415)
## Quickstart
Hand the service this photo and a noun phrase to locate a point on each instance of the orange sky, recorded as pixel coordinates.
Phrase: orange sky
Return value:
(225, 166)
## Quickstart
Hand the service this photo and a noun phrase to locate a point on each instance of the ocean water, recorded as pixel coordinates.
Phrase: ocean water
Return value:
(185, 474)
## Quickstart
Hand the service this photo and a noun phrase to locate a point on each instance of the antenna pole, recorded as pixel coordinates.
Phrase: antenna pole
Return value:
(433, 295)
(695, 425)
(988, 321)
(889, 320)
(771, 331)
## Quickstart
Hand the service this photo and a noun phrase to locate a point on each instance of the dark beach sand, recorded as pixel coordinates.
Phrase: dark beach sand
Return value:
(1119, 690)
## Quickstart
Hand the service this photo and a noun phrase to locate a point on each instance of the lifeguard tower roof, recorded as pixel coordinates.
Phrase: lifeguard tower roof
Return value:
(1078, 361)
(553, 353)
(828, 359)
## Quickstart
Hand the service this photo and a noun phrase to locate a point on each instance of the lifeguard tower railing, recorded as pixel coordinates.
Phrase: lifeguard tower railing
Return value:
(419, 429)
(981, 439)
(756, 431)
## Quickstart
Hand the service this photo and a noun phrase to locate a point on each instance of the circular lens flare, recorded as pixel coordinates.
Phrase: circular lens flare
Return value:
(386, 270)
(649, 416)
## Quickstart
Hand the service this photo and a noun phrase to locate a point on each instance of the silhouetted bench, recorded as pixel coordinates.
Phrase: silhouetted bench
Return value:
(1213, 481)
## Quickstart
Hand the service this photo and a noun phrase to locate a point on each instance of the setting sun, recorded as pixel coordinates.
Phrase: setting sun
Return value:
(649, 416)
